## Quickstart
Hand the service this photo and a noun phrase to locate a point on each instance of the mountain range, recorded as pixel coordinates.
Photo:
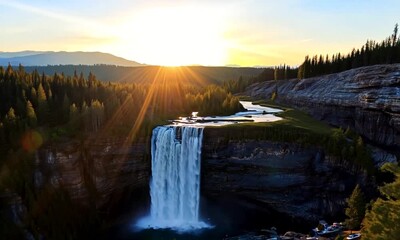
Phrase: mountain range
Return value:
(107, 67)
(45, 58)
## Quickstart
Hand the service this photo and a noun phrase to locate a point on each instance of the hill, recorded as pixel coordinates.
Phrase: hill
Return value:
(146, 74)
(33, 58)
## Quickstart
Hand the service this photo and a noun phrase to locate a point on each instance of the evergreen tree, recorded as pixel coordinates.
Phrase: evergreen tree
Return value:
(300, 73)
(33, 97)
(1, 72)
(43, 108)
(11, 126)
(382, 221)
(276, 73)
(394, 35)
(66, 108)
(20, 106)
(30, 114)
(85, 113)
(386, 52)
(10, 117)
(355, 210)
(3, 142)
(97, 114)
(9, 74)
(73, 116)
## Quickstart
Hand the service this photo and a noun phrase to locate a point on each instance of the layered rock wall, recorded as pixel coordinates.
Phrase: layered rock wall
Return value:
(299, 181)
(365, 99)
(97, 167)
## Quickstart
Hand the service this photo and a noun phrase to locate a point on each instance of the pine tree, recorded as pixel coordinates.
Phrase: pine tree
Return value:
(1, 72)
(10, 117)
(30, 114)
(382, 221)
(20, 106)
(97, 114)
(9, 72)
(356, 209)
(65, 108)
(43, 108)
(300, 72)
(33, 97)
(11, 126)
(285, 72)
(394, 35)
(276, 73)
(3, 142)
(85, 113)
(73, 116)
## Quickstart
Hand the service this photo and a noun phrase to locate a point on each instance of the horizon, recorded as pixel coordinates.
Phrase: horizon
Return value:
(190, 33)
(141, 64)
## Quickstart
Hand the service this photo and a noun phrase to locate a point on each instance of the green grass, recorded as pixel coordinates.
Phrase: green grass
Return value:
(292, 118)
(299, 119)
(295, 127)
(299, 127)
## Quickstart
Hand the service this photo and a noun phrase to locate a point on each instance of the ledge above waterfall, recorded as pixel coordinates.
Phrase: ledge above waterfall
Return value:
(255, 113)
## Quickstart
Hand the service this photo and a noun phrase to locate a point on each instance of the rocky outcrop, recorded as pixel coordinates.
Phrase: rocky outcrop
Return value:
(365, 99)
(299, 181)
(96, 167)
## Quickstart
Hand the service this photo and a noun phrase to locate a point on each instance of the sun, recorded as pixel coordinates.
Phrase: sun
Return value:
(177, 36)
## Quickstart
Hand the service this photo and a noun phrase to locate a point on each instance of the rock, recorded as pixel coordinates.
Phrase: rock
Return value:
(103, 166)
(301, 182)
(16, 211)
(380, 156)
(366, 99)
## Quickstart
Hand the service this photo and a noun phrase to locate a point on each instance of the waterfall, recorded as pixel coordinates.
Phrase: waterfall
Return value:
(175, 183)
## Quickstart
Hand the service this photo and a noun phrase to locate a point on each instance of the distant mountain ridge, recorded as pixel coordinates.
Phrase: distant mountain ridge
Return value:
(110, 68)
(44, 58)
(146, 73)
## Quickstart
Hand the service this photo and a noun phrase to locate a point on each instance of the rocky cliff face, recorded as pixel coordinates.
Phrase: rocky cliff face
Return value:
(365, 99)
(96, 167)
(299, 181)
(302, 182)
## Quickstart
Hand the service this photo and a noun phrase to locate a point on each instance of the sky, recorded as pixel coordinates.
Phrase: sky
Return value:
(202, 32)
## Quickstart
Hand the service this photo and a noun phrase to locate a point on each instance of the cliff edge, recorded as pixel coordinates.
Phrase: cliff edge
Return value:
(366, 99)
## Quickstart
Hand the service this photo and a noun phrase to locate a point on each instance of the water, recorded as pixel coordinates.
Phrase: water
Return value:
(230, 215)
(253, 113)
(175, 183)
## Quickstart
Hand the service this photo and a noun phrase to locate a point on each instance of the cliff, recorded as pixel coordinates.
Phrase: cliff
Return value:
(101, 168)
(302, 182)
(365, 99)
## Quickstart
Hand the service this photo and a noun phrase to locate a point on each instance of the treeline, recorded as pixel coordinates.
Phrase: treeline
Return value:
(35, 107)
(144, 74)
(80, 104)
(349, 148)
(281, 72)
(378, 219)
(371, 53)
(383, 215)
(208, 102)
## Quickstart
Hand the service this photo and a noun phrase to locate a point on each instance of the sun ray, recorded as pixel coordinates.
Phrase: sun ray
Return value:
(143, 110)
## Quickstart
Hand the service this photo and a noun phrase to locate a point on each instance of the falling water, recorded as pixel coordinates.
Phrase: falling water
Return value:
(175, 183)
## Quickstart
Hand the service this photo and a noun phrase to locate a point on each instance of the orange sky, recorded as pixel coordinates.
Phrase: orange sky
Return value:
(178, 32)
